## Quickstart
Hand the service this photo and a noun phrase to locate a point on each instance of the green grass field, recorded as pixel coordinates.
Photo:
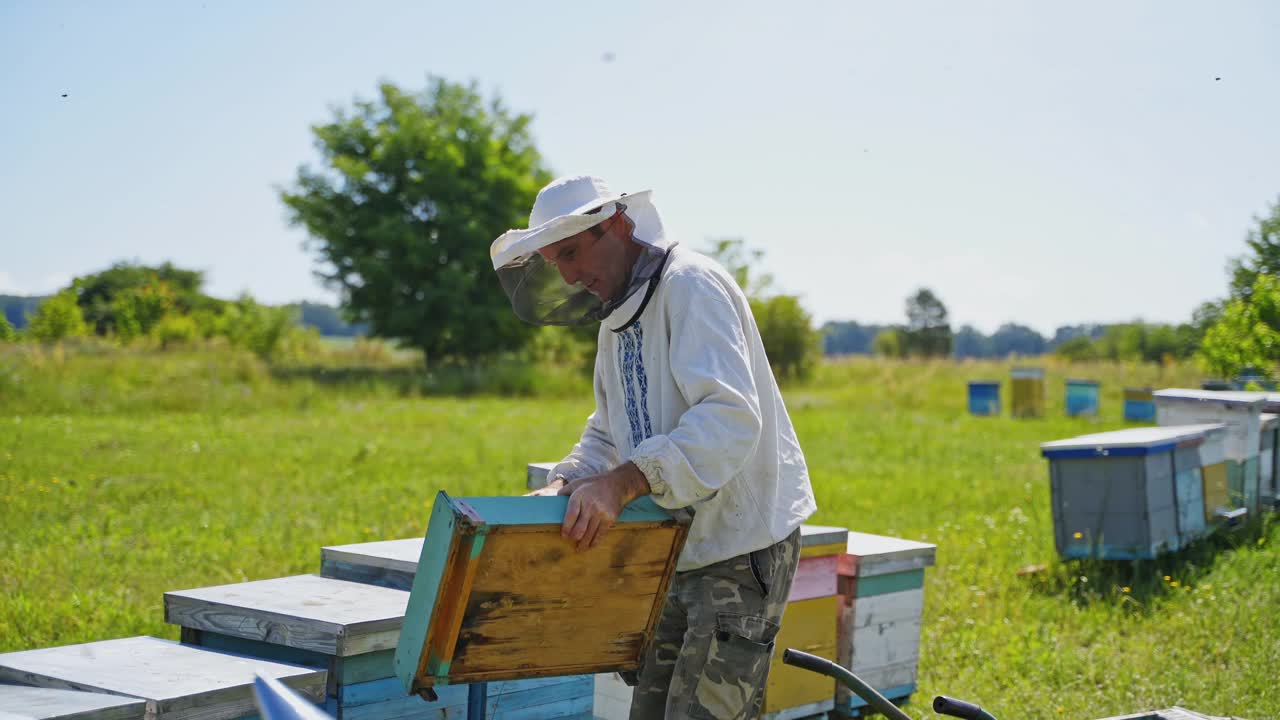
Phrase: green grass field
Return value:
(124, 475)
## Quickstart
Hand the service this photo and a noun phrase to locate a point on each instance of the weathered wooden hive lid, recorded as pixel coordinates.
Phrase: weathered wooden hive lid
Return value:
(499, 594)
(1027, 373)
(176, 681)
(309, 612)
(401, 555)
(868, 555)
(1269, 420)
(1082, 381)
(1235, 399)
(36, 703)
(813, 536)
(1130, 441)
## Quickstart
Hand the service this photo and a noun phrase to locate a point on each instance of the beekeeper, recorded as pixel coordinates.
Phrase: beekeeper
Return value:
(688, 411)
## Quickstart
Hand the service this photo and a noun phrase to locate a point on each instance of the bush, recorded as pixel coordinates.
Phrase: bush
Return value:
(176, 329)
(58, 318)
(789, 338)
(7, 333)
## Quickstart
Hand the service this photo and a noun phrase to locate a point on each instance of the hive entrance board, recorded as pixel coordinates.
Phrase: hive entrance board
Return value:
(500, 595)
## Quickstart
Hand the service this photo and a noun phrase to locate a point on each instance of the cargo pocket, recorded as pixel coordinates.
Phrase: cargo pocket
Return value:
(737, 665)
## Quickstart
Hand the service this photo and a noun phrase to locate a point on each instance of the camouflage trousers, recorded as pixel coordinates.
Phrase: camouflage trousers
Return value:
(710, 654)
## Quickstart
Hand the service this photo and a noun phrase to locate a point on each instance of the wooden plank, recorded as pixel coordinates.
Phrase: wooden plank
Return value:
(808, 626)
(815, 577)
(309, 612)
(35, 703)
(177, 681)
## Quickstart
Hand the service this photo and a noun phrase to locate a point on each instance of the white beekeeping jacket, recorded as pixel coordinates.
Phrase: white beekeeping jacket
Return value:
(683, 389)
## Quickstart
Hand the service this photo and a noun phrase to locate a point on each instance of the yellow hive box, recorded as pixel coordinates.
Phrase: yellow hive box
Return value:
(810, 626)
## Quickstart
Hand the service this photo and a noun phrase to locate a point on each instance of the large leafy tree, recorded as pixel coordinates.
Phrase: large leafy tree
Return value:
(413, 189)
(1263, 257)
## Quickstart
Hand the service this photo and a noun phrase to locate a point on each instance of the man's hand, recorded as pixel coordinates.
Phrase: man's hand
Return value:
(596, 501)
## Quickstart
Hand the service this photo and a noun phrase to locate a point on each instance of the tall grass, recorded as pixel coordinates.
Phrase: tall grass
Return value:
(123, 475)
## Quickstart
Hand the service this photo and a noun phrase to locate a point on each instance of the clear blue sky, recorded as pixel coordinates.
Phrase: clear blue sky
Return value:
(1047, 163)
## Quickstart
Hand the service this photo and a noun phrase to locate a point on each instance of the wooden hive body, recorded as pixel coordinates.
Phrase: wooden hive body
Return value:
(1241, 412)
(808, 624)
(1139, 405)
(1028, 392)
(1081, 398)
(498, 594)
(881, 604)
(1128, 494)
(984, 397)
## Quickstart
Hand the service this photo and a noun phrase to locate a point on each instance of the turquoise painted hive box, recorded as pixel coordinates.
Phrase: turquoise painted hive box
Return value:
(500, 595)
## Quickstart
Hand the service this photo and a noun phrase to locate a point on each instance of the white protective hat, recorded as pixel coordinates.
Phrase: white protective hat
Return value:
(564, 208)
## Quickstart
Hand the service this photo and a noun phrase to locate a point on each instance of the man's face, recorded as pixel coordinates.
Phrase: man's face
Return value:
(598, 257)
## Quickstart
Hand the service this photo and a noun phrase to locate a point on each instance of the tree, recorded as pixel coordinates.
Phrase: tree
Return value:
(7, 333)
(58, 318)
(413, 190)
(97, 294)
(787, 332)
(927, 333)
(1247, 334)
(1264, 257)
(844, 338)
(786, 329)
(1014, 339)
(1077, 349)
(969, 342)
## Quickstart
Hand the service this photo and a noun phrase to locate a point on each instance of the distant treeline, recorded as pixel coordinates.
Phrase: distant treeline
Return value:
(1136, 340)
(326, 319)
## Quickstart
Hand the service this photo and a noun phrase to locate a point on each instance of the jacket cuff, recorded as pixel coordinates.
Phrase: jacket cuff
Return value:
(648, 457)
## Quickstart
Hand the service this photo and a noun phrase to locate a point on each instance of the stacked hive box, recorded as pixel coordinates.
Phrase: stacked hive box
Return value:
(1081, 398)
(1139, 405)
(169, 680)
(1028, 392)
(881, 603)
(984, 397)
(1135, 493)
(808, 624)
(1241, 413)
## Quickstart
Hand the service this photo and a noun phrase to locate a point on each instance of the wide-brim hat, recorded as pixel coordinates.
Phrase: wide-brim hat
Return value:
(564, 208)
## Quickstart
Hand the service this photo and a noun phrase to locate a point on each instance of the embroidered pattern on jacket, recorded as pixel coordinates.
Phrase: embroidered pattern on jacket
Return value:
(635, 383)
